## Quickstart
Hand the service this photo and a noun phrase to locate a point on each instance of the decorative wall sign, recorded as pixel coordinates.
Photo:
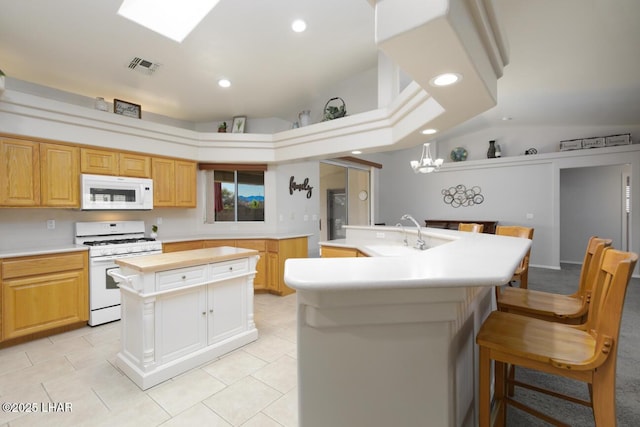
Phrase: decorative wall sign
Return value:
(300, 187)
(128, 109)
(461, 196)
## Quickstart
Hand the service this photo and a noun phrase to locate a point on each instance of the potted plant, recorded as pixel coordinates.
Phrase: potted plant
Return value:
(223, 127)
(154, 231)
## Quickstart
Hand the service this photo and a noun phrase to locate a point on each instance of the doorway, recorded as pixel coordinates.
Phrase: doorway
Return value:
(344, 198)
(594, 201)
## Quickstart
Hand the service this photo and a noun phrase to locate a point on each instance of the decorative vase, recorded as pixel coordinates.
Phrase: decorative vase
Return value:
(491, 152)
(101, 104)
(498, 151)
(304, 117)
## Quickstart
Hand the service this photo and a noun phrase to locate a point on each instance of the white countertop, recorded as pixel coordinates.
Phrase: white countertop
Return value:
(467, 259)
(41, 250)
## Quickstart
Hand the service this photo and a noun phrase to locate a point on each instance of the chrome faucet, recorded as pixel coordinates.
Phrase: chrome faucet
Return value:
(420, 244)
(404, 233)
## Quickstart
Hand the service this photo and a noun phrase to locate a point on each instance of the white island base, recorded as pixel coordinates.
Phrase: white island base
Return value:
(183, 309)
(388, 339)
(384, 358)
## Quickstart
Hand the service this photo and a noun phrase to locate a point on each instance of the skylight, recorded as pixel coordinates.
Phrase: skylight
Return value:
(172, 19)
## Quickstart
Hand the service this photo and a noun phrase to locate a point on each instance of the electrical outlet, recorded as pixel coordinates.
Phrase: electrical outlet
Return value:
(529, 216)
(51, 224)
(159, 220)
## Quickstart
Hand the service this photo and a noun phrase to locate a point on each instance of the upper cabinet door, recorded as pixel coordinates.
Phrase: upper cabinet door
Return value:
(19, 173)
(163, 172)
(99, 162)
(135, 165)
(60, 170)
(186, 183)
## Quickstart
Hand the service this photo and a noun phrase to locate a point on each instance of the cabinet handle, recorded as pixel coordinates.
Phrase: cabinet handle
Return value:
(204, 313)
(230, 268)
(184, 277)
(211, 310)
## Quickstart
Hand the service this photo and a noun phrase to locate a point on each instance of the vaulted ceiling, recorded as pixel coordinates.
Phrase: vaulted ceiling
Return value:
(572, 62)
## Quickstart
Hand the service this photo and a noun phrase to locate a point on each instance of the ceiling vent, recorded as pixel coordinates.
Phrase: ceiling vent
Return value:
(143, 66)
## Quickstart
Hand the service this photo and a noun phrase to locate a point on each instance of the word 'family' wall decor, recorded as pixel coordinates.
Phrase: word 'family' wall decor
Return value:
(461, 196)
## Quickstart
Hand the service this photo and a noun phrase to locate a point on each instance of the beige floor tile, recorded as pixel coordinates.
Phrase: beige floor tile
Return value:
(13, 361)
(85, 412)
(58, 348)
(32, 393)
(78, 383)
(184, 391)
(285, 409)
(261, 420)
(119, 393)
(281, 374)
(144, 412)
(234, 366)
(36, 374)
(242, 400)
(197, 415)
(270, 348)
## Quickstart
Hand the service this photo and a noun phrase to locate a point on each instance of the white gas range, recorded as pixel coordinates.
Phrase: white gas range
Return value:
(108, 241)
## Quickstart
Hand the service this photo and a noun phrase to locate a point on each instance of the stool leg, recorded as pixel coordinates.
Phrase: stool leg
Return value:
(484, 386)
(499, 389)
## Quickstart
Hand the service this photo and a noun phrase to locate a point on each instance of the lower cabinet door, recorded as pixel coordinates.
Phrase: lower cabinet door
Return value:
(180, 323)
(227, 309)
(42, 302)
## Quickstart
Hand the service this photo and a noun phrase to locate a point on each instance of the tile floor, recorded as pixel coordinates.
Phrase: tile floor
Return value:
(252, 386)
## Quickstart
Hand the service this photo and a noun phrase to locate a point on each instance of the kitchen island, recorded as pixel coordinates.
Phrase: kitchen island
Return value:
(183, 309)
(389, 338)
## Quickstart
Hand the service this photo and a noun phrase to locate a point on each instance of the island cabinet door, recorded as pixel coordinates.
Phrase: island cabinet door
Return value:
(180, 323)
(227, 305)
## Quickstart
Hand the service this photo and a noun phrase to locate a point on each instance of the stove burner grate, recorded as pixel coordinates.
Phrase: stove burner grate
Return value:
(119, 241)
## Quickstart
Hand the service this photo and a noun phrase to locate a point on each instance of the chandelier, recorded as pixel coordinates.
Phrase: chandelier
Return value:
(426, 164)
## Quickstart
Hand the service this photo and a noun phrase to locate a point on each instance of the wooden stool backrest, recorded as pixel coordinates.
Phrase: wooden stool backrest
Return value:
(471, 226)
(610, 287)
(591, 263)
(517, 231)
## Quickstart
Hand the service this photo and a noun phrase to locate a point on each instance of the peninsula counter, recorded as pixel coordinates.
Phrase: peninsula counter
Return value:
(389, 338)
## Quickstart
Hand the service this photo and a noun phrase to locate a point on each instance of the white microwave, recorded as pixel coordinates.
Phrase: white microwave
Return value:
(104, 192)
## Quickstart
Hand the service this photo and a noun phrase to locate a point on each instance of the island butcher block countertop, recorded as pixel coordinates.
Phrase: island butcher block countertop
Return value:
(168, 261)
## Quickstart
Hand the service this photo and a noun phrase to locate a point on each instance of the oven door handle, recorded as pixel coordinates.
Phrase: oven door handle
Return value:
(119, 278)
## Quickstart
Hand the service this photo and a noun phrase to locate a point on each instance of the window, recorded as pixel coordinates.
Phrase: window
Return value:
(235, 195)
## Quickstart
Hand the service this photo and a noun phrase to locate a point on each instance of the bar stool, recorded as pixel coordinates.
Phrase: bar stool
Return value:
(522, 272)
(585, 352)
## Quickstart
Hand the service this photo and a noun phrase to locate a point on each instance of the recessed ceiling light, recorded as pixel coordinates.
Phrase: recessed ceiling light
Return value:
(445, 79)
(356, 152)
(170, 18)
(224, 83)
(298, 25)
(428, 131)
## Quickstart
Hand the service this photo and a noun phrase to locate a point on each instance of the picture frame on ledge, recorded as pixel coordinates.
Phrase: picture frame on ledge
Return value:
(126, 108)
(238, 124)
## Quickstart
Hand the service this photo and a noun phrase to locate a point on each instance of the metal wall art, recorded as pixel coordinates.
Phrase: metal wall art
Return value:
(293, 186)
(462, 196)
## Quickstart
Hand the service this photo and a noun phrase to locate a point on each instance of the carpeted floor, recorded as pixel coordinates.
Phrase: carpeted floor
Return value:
(628, 372)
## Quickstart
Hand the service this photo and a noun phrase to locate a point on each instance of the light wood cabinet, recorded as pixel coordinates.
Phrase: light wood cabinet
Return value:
(19, 173)
(182, 246)
(59, 172)
(336, 252)
(219, 242)
(44, 292)
(278, 252)
(186, 184)
(135, 165)
(174, 183)
(98, 162)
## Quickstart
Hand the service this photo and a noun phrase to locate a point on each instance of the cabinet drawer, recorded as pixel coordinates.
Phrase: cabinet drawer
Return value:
(180, 277)
(43, 264)
(224, 269)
